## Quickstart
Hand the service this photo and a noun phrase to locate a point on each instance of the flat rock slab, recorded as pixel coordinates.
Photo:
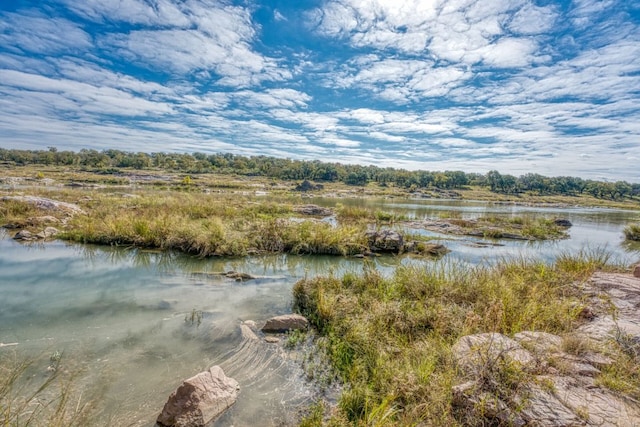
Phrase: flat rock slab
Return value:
(199, 400)
(46, 204)
(473, 352)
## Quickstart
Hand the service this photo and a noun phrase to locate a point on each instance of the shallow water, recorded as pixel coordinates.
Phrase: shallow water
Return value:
(120, 313)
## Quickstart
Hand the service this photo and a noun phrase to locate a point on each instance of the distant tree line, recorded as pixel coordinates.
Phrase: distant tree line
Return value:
(287, 169)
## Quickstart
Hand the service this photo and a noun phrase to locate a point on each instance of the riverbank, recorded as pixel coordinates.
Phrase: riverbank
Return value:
(209, 216)
(398, 344)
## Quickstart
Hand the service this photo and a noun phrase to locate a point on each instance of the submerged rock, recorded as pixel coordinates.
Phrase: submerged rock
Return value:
(313, 210)
(561, 222)
(284, 323)
(199, 399)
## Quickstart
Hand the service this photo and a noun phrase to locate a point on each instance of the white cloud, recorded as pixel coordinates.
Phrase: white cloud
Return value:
(38, 34)
(469, 31)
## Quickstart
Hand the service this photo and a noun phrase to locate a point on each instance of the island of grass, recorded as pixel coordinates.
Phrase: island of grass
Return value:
(516, 228)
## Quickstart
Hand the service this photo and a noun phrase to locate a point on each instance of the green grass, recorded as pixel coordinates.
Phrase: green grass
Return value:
(389, 338)
(42, 392)
(632, 232)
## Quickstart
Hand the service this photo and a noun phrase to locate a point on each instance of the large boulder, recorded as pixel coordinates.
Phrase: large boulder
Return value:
(199, 400)
(287, 322)
(385, 241)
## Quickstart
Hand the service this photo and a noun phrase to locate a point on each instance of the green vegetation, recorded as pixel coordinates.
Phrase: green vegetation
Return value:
(632, 232)
(209, 224)
(531, 228)
(39, 392)
(389, 338)
(110, 162)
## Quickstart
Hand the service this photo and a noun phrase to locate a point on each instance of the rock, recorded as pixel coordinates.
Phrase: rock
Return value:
(385, 241)
(561, 222)
(247, 333)
(539, 342)
(422, 248)
(272, 340)
(285, 323)
(474, 353)
(37, 220)
(636, 271)
(48, 233)
(46, 204)
(239, 277)
(24, 235)
(308, 186)
(199, 400)
(313, 210)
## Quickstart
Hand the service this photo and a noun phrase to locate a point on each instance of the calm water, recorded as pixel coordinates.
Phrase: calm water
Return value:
(120, 314)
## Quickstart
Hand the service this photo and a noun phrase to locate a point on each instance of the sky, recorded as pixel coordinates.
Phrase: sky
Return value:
(518, 86)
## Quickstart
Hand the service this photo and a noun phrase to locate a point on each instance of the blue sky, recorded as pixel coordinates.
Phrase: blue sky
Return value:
(520, 86)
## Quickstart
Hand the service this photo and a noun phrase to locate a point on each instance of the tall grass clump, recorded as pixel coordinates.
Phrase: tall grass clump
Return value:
(39, 392)
(390, 338)
(632, 232)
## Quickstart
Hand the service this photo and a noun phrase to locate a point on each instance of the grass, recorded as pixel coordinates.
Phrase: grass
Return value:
(32, 395)
(632, 232)
(389, 338)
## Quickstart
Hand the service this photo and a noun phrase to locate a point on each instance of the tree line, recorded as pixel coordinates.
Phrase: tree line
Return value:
(298, 170)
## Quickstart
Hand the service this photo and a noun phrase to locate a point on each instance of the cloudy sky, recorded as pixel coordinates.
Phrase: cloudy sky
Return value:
(520, 86)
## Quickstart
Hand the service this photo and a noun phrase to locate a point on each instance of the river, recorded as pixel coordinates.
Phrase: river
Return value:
(122, 316)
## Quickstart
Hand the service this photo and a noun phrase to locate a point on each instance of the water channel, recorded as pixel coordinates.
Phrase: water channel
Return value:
(123, 316)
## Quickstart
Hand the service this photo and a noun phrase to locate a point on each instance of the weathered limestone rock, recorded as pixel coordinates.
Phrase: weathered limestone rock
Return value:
(48, 233)
(24, 235)
(199, 400)
(46, 204)
(37, 220)
(539, 342)
(385, 241)
(563, 389)
(313, 210)
(238, 276)
(474, 352)
(247, 333)
(285, 323)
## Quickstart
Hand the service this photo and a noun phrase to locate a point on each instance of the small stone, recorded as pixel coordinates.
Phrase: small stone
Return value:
(636, 271)
(272, 340)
